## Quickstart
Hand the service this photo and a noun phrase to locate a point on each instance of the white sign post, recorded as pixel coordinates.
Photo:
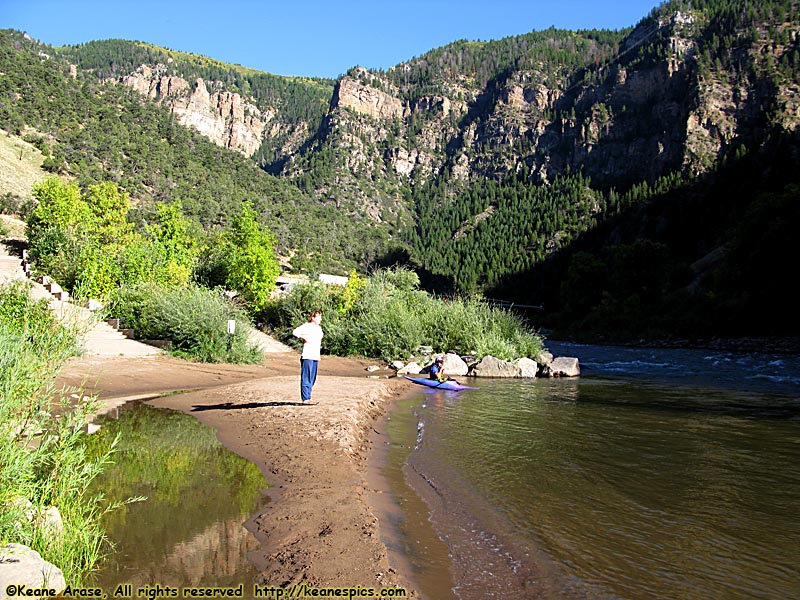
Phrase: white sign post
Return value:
(231, 331)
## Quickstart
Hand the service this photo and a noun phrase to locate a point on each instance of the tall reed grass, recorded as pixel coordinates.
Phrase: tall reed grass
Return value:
(43, 462)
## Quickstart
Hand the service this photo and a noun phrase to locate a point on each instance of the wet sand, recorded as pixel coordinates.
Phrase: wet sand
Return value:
(320, 527)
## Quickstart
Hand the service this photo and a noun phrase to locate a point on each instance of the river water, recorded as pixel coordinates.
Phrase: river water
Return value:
(657, 474)
(189, 529)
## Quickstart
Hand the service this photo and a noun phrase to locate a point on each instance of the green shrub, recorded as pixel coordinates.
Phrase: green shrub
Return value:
(388, 317)
(128, 303)
(194, 319)
(35, 344)
(251, 263)
(85, 242)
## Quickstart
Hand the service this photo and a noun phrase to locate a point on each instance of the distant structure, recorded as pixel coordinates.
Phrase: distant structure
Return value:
(285, 283)
(333, 279)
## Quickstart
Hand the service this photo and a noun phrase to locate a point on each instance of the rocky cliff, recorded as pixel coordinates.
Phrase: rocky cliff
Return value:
(224, 117)
(367, 100)
(677, 93)
(670, 98)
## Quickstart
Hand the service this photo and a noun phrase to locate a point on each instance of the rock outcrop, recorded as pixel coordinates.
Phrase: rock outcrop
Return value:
(366, 100)
(661, 101)
(226, 118)
(654, 109)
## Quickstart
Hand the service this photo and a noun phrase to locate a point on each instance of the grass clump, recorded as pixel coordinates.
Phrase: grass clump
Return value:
(194, 319)
(43, 462)
(387, 316)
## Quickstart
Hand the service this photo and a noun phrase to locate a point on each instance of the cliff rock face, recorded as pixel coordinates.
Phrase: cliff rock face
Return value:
(224, 117)
(656, 108)
(666, 98)
(367, 100)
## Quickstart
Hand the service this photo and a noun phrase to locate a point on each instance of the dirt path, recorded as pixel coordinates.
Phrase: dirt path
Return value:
(319, 529)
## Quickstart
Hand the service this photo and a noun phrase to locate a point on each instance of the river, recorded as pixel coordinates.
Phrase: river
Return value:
(188, 531)
(669, 474)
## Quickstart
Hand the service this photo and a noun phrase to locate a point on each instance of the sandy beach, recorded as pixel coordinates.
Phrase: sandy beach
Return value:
(319, 528)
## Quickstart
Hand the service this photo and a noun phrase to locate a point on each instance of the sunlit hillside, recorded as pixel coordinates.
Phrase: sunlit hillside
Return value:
(20, 167)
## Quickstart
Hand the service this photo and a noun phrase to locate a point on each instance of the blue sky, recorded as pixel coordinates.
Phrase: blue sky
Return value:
(308, 38)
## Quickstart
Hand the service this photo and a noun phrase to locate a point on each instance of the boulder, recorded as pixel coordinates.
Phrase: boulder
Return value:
(489, 366)
(411, 368)
(21, 566)
(527, 367)
(49, 520)
(396, 365)
(454, 365)
(565, 366)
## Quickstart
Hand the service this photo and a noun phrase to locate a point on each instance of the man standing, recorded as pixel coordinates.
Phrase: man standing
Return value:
(311, 334)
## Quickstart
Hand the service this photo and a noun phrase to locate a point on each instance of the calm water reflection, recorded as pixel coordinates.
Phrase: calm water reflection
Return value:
(615, 487)
(189, 531)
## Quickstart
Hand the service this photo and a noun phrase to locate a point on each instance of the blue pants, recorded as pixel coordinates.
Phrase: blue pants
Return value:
(308, 375)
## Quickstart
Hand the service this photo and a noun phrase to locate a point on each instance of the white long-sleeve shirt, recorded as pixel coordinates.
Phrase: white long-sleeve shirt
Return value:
(311, 334)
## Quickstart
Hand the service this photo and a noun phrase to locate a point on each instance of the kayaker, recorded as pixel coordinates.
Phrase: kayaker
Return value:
(437, 370)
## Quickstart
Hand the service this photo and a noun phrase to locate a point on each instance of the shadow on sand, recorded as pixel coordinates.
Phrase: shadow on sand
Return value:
(232, 406)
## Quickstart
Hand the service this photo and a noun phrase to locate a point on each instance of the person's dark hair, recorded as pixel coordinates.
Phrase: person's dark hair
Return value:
(314, 313)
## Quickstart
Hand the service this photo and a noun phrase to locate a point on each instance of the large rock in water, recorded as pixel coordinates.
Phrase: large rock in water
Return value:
(565, 366)
(489, 366)
(454, 365)
(21, 566)
(527, 367)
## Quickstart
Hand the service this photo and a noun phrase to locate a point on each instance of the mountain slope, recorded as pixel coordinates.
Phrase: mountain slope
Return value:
(239, 108)
(20, 169)
(102, 131)
(546, 168)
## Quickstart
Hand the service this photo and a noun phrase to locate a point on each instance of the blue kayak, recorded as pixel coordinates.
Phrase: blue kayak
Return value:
(450, 384)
